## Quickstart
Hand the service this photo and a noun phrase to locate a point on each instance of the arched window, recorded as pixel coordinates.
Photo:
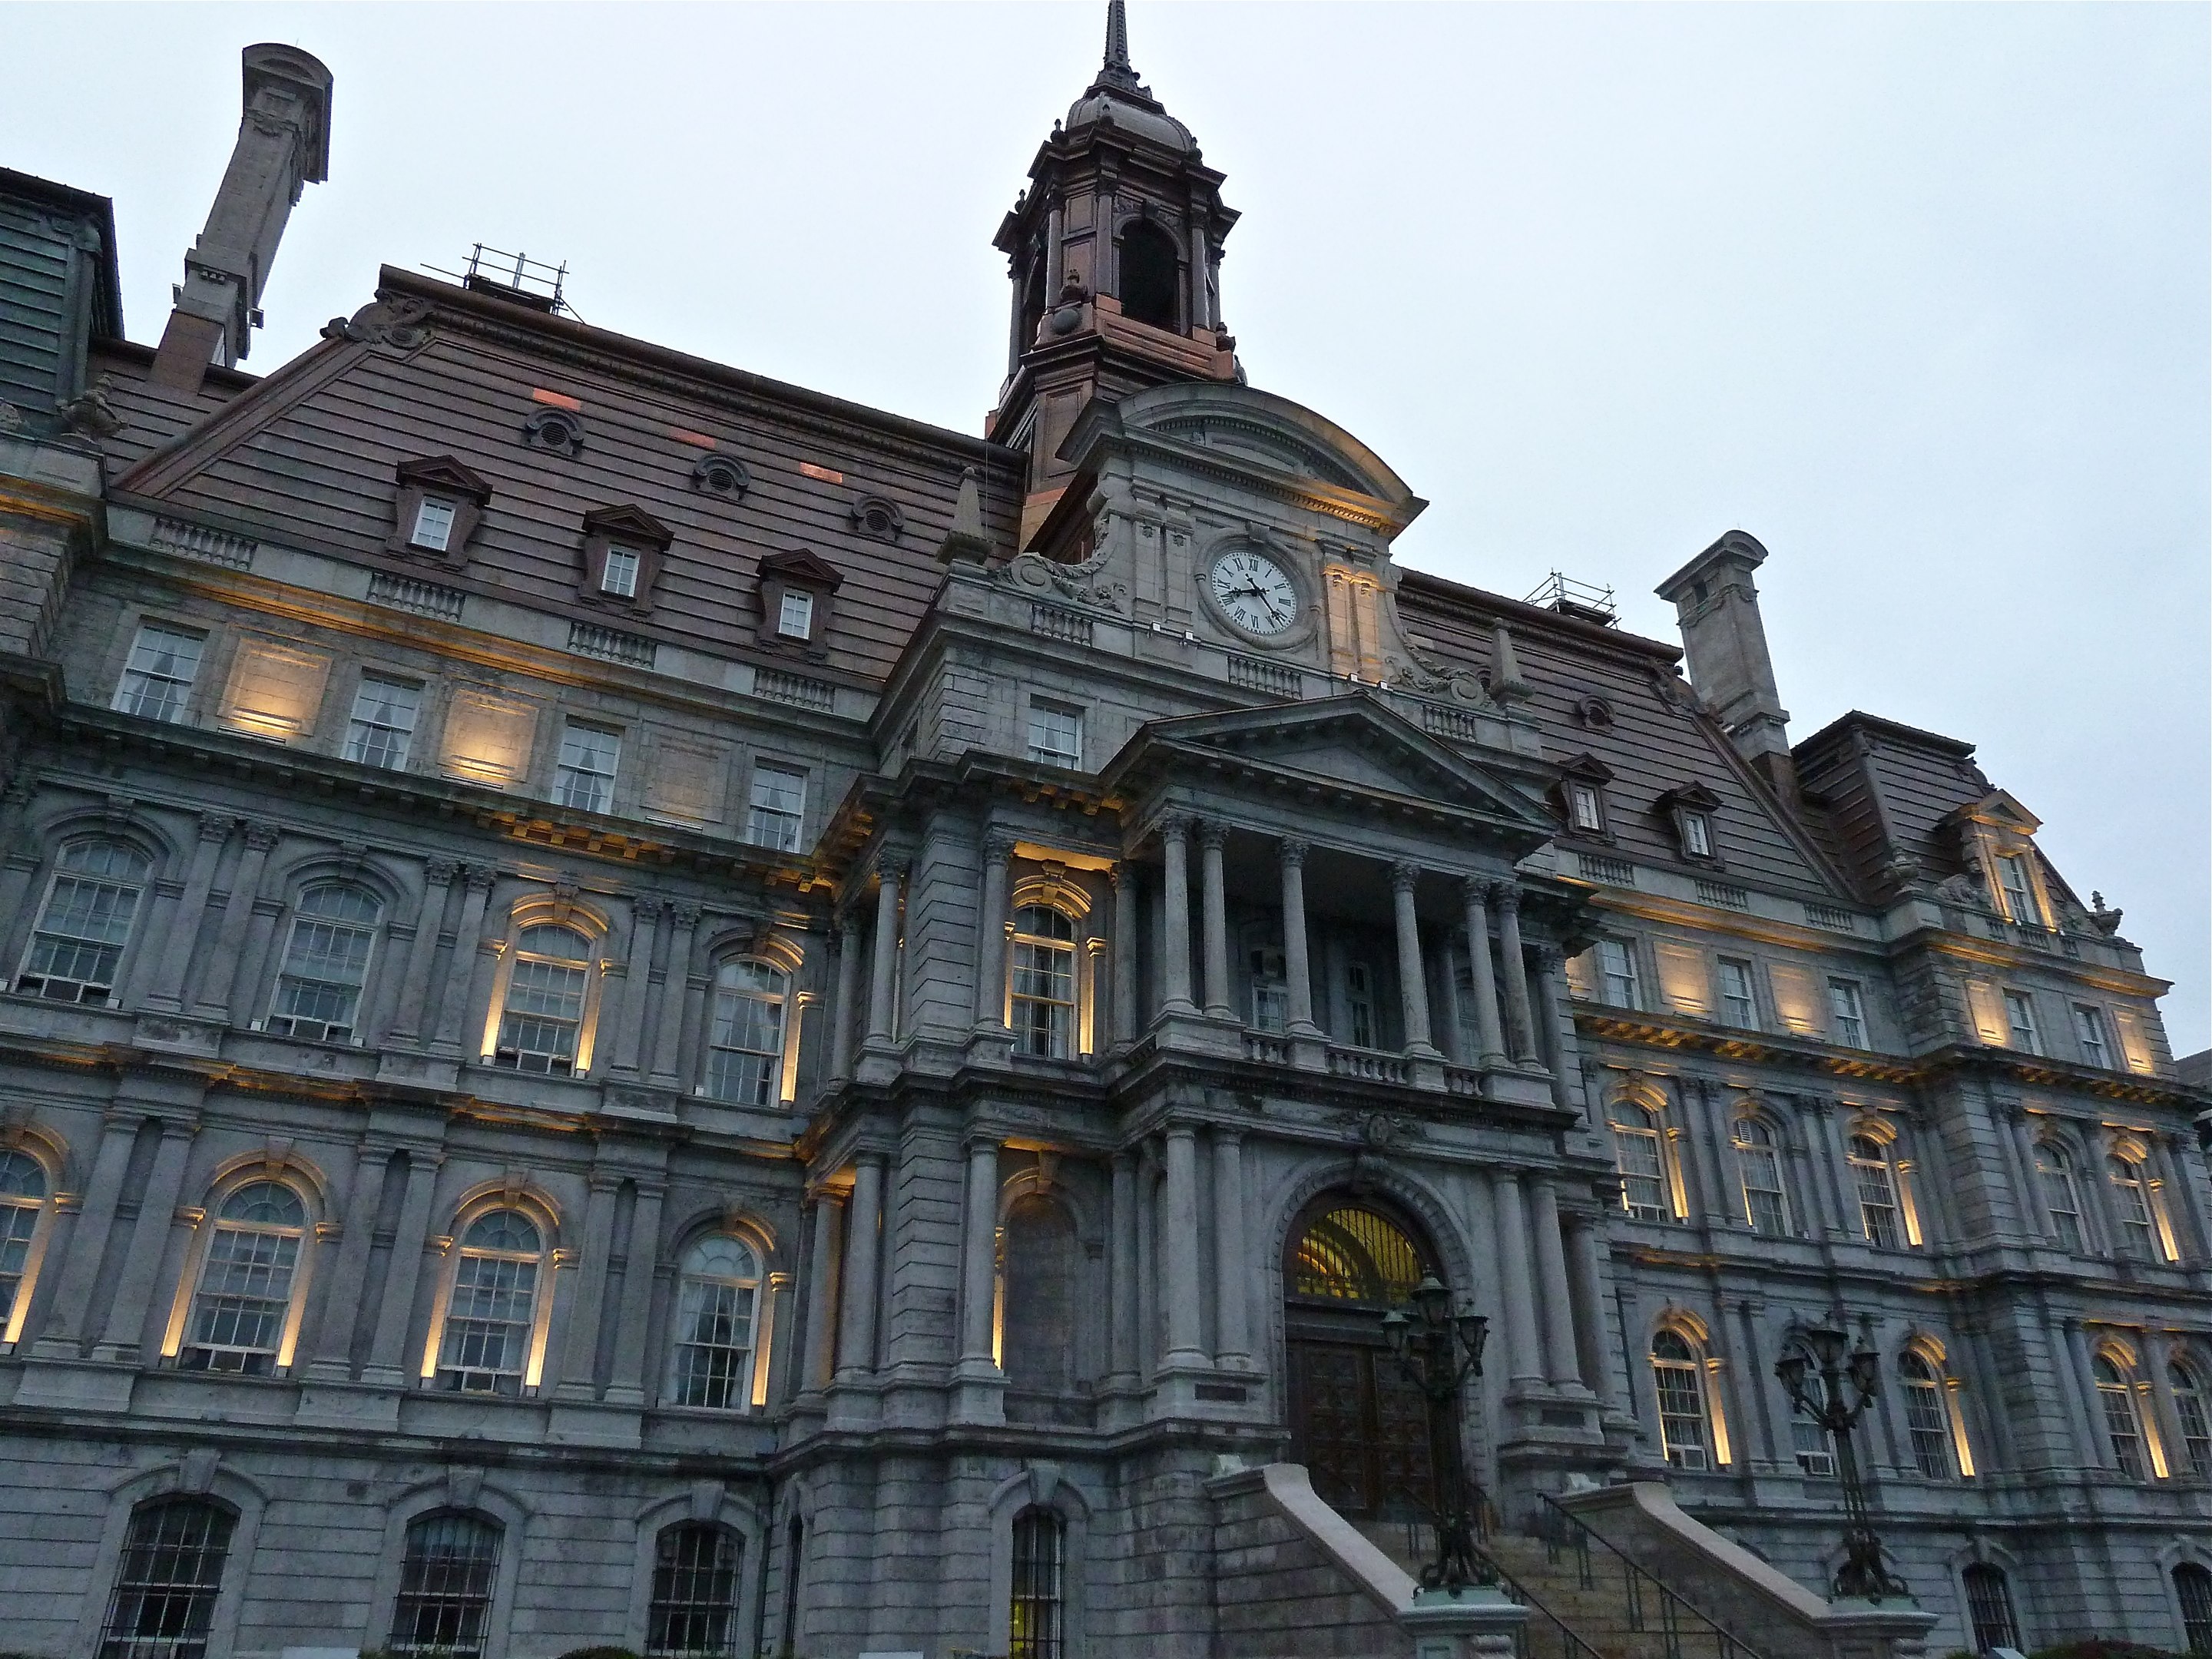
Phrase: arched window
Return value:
(1684, 1425)
(1639, 1152)
(490, 1318)
(745, 1045)
(2131, 1203)
(694, 1612)
(543, 1014)
(326, 964)
(1876, 1182)
(2196, 1421)
(1038, 1295)
(1927, 1416)
(1043, 993)
(1036, 1627)
(716, 1303)
(1989, 1608)
(22, 1202)
(1759, 1166)
(2116, 1393)
(2192, 1587)
(85, 922)
(167, 1583)
(2062, 1197)
(446, 1579)
(244, 1300)
(1352, 1254)
(1150, 277)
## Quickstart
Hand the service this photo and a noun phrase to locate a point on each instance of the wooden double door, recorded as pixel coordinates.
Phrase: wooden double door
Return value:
(1359, 1427)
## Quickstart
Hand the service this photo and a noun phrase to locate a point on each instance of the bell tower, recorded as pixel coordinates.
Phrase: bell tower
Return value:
(1114, 253)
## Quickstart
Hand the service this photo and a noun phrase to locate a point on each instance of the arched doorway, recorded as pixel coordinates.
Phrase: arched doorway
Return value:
(1359, 1427)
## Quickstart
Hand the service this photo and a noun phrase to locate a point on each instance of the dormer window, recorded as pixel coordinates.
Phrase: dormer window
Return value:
(1689, 808)
(1581, 798)
(436, 509)
(794, 618)
(1586, 807)
(798, 594)
(434, 527)
(2019, 890)
(623, 547)
(1697, 834)
(619, 577)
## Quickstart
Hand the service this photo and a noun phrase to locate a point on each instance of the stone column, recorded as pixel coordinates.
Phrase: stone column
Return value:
(1551, 1006)
(2085, 1381)
(821, 1291)
(674, 994)
(1453, 1016)
(340, 1296)
(249, 998)
(1123, 1298)
(1232, 1274)
(1413, 978)
(222, 972)
(979, 1256)
(472, 951)
(1184, 1334)
(1508, 900)
(168, 994)
(856, 1334)
(1214, 907)
(1175, 929)
(121, 1343)
(423, 952)
(626, 1042)
(1125, 1022)
(2156, 1356)
(389, 1364)
(2179, 1198)
(1561, 1363)
(1586, 1280)
(884, 977)
(640, 1275)
(1297, 963)
(844, 1012)
(991, 936)
(580, 1362)
(1524, 1360)
(1489, 1037)
(1712, 1156)
(1846, 1221)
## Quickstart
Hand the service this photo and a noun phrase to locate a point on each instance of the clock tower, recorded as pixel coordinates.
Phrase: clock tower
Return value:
(1115, 256)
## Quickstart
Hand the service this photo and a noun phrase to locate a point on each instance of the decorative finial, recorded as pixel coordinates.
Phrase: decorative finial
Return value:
(1117, 70)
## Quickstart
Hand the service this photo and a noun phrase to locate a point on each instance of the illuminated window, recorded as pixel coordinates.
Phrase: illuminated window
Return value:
(2192, 1587)
(543, 1014)
(2019, 890)
(2062, 1197)
(1815, 1451)
(1353, 1255)
(1989, 1608)
(1035, 1626)
(1055, 733)
(1680, 1374)
(1759, 1167)
(446, 1574)
(2196, 1420)
(1876, 1182)
(693, 1611)
(1847, 1010)
(618, 576)
(1640, 1154)
(1616, 963)
(1926, 1416)
(382, 729)
(168, 1581)
(2019, 1018)
(716, 1302)
(2116, 1395)
(744, 1047)
(1586, 807)
(489, 1319)
(794, 618)
(84, 924)
(1044, 987)
(2089, 1033)
(1739, 1007)
(434, 527)
(326, 964)
(1697, 834)
(779, 803)
(2131, 1201)
(243, 1298)
(22, 1203)
(157, 679)
(584, 778)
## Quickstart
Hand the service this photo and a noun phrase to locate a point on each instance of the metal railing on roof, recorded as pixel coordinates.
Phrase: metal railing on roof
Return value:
(1569, 597)
(514, 277)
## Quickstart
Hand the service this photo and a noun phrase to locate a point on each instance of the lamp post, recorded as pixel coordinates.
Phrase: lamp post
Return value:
(1815, 1367)
(1438, 1351)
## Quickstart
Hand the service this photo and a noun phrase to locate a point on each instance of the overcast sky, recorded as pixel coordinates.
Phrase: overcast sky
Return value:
(1916, 295)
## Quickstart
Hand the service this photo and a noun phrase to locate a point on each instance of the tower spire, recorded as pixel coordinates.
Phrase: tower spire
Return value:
(1117, 70)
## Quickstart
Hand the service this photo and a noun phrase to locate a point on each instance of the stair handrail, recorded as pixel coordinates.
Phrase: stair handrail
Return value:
(1555, 1521)
(1516, 1591)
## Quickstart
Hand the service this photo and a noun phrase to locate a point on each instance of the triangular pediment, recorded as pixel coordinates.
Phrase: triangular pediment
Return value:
(2001, 809)
(443, 472)
(628, 523)
(806, 569)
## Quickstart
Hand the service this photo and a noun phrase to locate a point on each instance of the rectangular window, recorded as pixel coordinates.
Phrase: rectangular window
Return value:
(1359, 1003)
(586, 777)
(1739, 1007)
(2089, 1033)
(2019, 892)
(1697, 834)
(619, 577)
(1055, 733)
(2020, 1018)
(1616, 963)
(1586, 807)
(794, 616)
(1847, 1008)
(382, 729)
(779, 803)
(487, 1336)
(713, 1363)
(1816, 1453)
(434, 527)
(159, 676)
(1271, 991)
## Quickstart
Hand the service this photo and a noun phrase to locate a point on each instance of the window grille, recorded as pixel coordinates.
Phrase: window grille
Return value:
(1616, 963)
(245, 1293)
(2131, 1199)
(85, 923)
(2116, 1395)
(1641, 1158)
(2054, 1171)
(167, 1583)
(1353, 1255)
(544, 1009)
(693, 1612)
(1925, 1418)
(1035, 1628)
(795, 615)
(1848, 1005)
(445, 1580)
(1055, 733)
(744, 1045)
(619, 575)
(1989, 1608)
(157, 679)
(382, 729)
(719, 1288)
(326, 964)
(2089, 1032)
(779, 802)
(584, 778)
(1816, 1452)
(486, 1343)
(2196, 1421)
(2020, 1018)
(1758, 1163)
(1681, 1385)
(1739, 1007)
(1043, 990)
(23, 1200)
(2192, 1587)
(434, 527)
(1877, 1188)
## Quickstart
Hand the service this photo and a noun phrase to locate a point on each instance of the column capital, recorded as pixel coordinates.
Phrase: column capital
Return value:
(1179, 1131)
(1175, 827)
(1475, 889)
(998, 846)
(261, 834)
(1506, 896)
(481, 877)
(440, 872)
(216, 826)
(1212, 834)
(868, 1157)
(1118, 873)
(977, 1141)
(1403, 874)
(1549, 957)
(1291, 850)
(686, 915)
(1227, 1135)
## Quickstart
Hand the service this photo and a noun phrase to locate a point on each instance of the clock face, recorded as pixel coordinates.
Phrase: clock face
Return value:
(1254, 591)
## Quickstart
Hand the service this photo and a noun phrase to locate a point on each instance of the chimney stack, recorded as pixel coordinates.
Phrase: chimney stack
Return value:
(283, 145)
(1717, 609)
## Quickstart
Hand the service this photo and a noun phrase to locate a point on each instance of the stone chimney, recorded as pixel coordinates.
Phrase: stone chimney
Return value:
(283, 145)
(1717, 609)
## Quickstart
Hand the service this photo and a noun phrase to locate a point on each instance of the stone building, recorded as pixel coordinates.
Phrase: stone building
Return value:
(643, 1006)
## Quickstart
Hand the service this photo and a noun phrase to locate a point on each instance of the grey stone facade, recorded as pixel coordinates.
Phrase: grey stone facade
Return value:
(668, 915)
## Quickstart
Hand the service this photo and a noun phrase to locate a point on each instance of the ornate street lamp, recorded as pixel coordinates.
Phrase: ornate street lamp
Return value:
(1438, 1351)
(1815, 1367)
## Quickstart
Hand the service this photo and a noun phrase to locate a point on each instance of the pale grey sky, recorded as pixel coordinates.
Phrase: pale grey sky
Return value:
(1917, 294)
